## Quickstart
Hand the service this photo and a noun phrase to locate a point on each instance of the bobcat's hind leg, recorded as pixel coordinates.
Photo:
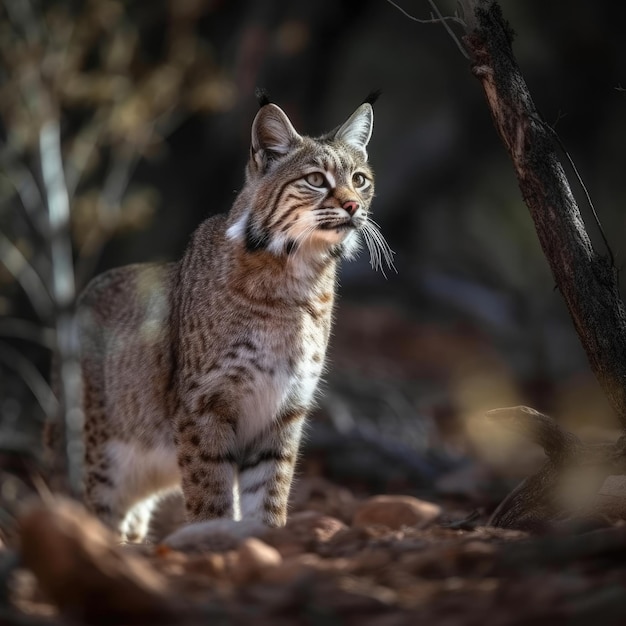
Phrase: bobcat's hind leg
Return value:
(101, 493)
(101, 490)
(122, 488)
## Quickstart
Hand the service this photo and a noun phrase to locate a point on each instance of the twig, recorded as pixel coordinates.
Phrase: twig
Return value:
(28, 278)
(20, 13)
(458, 44)
(429, 21)
(77, 164)
(23, 181)
(64, 296)
(109, 202)
(22, 329)
(113, 191)
(31, 376)
(440, 19)
(59, 213)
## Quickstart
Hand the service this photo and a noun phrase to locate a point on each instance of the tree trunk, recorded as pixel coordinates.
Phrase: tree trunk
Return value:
(587, 280)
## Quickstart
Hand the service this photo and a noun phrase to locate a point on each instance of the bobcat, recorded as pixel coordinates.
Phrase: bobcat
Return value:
(201, 372)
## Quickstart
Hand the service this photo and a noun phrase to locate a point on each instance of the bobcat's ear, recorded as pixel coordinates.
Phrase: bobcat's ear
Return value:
(273, 135)
(357, 130)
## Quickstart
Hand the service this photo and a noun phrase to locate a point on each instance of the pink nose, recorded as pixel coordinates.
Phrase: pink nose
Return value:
(351, 206)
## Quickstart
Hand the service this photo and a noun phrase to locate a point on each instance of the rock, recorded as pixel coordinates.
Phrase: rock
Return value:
(395, 512)
(81, 569)
(211, 564)
(304, 532)
(254, 556)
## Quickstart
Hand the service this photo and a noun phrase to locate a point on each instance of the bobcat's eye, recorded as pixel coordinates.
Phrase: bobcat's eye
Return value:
(359, 180)
(316, 179)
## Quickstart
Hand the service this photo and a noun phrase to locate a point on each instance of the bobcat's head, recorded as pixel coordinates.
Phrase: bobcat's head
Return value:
(309, 197)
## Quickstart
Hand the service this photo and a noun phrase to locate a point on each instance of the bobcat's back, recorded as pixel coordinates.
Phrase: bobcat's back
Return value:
(125, 353)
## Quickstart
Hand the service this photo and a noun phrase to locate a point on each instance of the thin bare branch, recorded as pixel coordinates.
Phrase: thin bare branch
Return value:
(432, 20)
(450, 32)
(26, 188)
(109, 205)
(113, 190)
(64, 296)
(28, 278)
(439, 19)
(78, 159)
(20, 13)
(59, 213)
(14, 360)
(22, 329)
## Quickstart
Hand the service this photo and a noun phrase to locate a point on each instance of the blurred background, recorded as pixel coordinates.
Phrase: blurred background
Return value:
(153, 102)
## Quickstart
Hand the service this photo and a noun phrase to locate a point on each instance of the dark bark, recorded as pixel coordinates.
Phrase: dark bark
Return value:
(587, 280)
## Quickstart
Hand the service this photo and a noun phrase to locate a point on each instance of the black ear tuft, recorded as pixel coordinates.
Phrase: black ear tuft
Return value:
(372, 96)
(262, 96)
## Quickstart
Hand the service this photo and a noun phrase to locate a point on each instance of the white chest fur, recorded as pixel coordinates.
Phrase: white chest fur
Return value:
(282, 370)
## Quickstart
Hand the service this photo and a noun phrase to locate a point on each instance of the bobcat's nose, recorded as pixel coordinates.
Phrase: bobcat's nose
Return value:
(351, 206)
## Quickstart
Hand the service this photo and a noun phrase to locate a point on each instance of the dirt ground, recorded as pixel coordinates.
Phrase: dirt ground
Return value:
(381, 532)
(374, 561)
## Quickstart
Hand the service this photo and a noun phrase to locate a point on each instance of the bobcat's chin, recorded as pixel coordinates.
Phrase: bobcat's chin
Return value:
(333, 235)
(342, 244)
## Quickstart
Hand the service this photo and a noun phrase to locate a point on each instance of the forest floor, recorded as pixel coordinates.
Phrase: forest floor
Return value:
(371, 561)
(423, 553)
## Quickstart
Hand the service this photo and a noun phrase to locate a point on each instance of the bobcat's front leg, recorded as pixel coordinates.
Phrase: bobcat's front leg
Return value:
(266, 471)
(206, 455)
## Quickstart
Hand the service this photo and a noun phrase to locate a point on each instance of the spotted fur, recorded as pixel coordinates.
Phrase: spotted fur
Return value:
(200, 373)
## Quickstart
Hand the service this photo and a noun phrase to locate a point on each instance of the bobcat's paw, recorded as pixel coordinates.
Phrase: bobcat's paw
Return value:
(214, 535)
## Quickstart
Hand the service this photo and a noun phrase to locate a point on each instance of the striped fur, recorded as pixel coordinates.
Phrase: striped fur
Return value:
(201, 372)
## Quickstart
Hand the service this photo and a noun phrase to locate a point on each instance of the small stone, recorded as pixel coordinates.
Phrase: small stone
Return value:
(311, 523)
(304, 532)
(395, 512)
(81, 569)
(254, 556)
(209, 564)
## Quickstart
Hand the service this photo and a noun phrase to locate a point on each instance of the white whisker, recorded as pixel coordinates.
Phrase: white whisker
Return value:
(380, 245)
(376, 261)
(385, 248)
(370, 249)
